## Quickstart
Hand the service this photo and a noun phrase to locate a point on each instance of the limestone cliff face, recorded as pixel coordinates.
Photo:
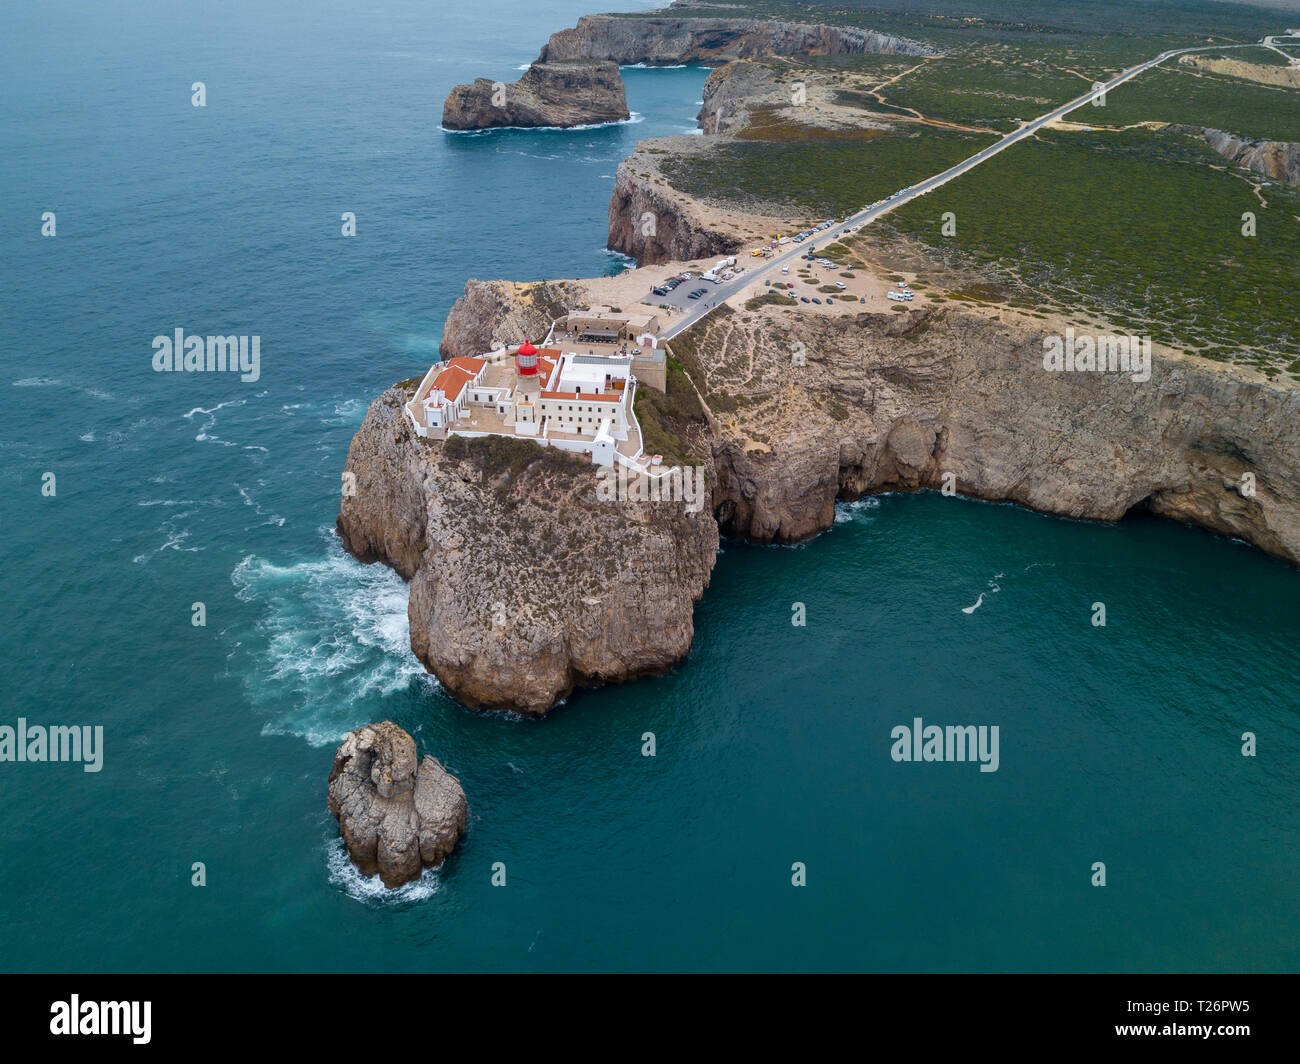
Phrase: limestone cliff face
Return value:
(663, 40)
(651, 222)
(730, 90)
(524, 584)
(1273, 159)
(492, 314)
(892, 402)
(550, 94)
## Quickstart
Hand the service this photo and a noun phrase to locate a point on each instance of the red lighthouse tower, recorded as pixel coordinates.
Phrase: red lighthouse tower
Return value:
(526, 360)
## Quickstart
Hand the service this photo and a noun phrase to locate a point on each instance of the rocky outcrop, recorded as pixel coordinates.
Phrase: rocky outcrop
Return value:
(669, 40)
(397, 816)
(525, 584)
(563, 94)
(1273, 159)
(492, 314)
(731, 90)
(651, 222)
(893, 402)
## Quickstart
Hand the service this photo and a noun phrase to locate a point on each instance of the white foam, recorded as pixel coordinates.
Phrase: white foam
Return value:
(633, 119)
(370, 889)
(333, 637)
(978, 603)
(857, 511)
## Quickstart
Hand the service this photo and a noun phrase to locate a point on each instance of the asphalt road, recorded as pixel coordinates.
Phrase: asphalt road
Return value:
(766, 269)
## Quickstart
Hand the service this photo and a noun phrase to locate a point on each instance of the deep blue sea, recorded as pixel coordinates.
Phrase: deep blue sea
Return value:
(1119, 744)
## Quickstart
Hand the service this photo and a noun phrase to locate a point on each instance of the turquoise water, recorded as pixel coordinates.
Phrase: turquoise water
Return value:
(1118, 744)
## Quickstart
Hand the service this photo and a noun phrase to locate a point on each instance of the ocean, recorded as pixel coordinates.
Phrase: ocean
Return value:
(1119, 744)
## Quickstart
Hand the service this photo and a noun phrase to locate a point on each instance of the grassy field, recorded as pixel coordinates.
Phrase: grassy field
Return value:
(1142, 226)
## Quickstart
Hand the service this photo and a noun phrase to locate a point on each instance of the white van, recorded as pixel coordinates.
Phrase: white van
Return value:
(785, 269)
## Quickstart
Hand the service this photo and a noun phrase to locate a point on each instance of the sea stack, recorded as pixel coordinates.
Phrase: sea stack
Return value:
(565, 94)
(397, 816)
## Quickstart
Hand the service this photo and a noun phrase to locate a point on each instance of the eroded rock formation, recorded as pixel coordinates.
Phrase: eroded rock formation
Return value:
(397, 816)
(1274, 159)
(565, 94)
(524, 584)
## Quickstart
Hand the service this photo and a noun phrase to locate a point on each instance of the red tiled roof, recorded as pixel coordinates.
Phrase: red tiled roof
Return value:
(459, 372)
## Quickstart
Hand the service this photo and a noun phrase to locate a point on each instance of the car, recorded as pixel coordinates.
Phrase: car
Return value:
(789, 284)
(841, 285)
(803, 299)
(816, 300)
(785, 269)
(694, 295)
(767, 282)
(660, 291)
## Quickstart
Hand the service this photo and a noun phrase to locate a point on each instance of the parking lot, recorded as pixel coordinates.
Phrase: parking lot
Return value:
(679, 297)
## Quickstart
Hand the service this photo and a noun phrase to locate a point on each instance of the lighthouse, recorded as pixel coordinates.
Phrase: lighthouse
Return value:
(526, 360)
(528, 391)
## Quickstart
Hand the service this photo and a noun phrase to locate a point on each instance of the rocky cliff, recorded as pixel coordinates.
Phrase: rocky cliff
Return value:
(1273, 159)
(564, 94)
(492, 314)
(669, 40)
(893, 402)
(524, 584)
(397, 817)
(652, 222)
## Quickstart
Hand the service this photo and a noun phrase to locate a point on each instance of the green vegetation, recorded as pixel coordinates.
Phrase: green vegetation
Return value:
(1117, 34)
(770, 299)
(984, 93)
(1200, 99)
(1139, 225)
(829, 178)
(668, 418)
(495, 455)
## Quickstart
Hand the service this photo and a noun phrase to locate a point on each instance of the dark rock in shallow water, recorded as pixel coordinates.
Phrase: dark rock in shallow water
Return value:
(397, 817)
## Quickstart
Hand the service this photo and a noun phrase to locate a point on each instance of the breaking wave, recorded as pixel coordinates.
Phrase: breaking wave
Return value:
(370, 890)
(333, 635)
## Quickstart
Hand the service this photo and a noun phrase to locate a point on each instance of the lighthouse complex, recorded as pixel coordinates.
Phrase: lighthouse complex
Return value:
(575, 391)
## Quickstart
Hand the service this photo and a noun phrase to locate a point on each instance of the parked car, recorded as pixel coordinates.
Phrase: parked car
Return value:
(803, 299)
(816, 300)
(841, 285)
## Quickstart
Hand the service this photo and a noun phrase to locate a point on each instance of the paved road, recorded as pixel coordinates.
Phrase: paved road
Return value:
(768, 268)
